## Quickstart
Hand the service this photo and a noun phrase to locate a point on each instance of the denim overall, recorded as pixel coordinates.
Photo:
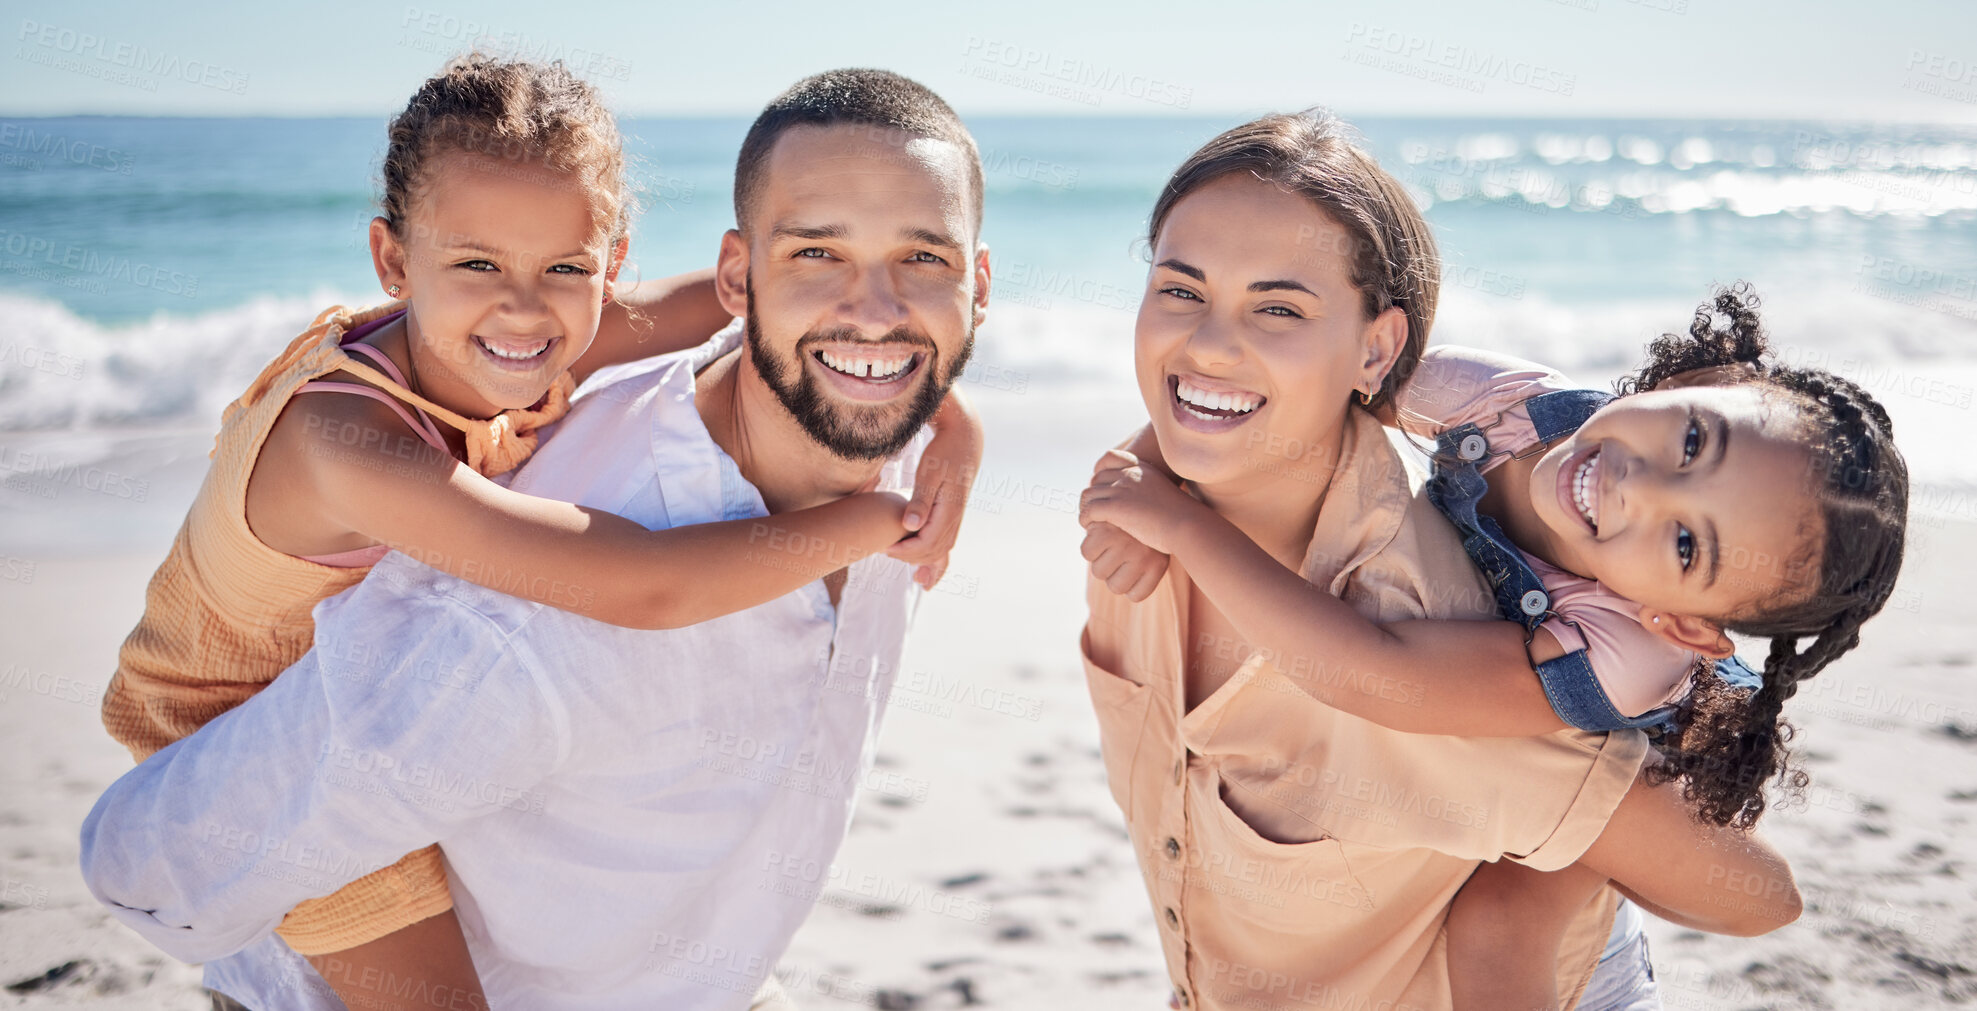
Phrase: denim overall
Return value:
(1456, 487)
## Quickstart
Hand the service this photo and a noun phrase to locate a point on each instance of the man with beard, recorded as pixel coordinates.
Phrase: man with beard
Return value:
(630, 818)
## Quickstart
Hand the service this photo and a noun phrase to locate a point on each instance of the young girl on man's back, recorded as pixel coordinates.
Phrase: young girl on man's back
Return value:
(504, 224)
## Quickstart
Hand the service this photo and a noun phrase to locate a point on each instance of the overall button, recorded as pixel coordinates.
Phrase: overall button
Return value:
(1173, 848)
(1173, 918)
(1534, 602)
(1474, 447)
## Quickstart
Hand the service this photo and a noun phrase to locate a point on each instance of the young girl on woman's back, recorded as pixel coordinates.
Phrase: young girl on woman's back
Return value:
(1721, 493)
(503, 227)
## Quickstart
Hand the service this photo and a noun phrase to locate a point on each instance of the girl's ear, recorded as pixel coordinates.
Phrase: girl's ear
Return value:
(618, 250)
(1697, 635)
(1385, 336)
(388, 257)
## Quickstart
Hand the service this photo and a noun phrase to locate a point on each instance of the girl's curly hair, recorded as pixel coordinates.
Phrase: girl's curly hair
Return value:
(1730, 742)
(531, 120)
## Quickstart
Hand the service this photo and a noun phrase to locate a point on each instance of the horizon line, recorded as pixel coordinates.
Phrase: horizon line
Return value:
(1968, 122)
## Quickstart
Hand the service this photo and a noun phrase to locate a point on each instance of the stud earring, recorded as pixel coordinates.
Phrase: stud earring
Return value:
(393, 291)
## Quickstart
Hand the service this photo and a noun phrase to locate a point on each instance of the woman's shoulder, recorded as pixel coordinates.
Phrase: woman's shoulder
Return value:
(1455, 385)
(1424, 571)
(1413, 564)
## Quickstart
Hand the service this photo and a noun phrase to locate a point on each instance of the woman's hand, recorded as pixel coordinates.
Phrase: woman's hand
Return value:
(1700, 876)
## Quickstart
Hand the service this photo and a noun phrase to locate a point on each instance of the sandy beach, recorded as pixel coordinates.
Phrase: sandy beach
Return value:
(183, 189)
(987, 865)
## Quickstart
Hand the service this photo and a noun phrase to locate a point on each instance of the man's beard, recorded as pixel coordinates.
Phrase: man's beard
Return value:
(855, 432)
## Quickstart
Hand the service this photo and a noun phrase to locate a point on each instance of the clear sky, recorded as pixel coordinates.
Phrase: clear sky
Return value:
(1910, 60)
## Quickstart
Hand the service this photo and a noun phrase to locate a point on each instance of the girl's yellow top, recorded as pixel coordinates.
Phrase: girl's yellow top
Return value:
(225, 613)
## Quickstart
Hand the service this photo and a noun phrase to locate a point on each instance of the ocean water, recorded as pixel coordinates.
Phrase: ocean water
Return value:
(149, 267)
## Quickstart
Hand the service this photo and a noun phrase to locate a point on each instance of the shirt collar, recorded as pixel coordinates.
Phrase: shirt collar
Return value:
(1363, 507)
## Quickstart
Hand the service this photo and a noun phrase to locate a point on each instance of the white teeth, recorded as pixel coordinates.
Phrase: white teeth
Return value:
(514, 356)
(1241, 403)
(865, 368)
(1585, 490)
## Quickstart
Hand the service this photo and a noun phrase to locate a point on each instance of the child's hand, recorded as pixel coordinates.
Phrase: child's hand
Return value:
(940, 491)
(1124, 565)
(1124, 498)
(1148, 507)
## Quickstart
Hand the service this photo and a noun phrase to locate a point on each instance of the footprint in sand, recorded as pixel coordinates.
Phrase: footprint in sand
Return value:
(85, 975)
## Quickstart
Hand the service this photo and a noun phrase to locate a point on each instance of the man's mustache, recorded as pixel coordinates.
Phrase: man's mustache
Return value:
(848, 335)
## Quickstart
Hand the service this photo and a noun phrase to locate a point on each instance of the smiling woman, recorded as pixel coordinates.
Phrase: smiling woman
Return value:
(1249, 699)
(1290, 278)
(1251, 332)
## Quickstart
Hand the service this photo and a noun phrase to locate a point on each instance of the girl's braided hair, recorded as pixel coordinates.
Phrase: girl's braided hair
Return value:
(1730, 741)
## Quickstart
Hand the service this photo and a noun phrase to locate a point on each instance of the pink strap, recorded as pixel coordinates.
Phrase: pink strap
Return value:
(423, 426)
(362, 330)
(352, 344)
(379, 359)
(383, 361)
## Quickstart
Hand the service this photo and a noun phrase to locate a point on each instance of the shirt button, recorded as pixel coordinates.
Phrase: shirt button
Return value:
(1173, 848)
(1534, 602)
(1180, 997)
(1474, 447)
(1173, 918)
(1180, 770)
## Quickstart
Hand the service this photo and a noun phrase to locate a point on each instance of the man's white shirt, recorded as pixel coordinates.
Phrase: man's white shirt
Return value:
(618, 808)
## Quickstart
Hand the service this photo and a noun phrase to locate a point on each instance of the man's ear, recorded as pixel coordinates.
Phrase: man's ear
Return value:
(1385, 336)
(731, 274)
(388, 257)
(981, 283)
(1698, 635)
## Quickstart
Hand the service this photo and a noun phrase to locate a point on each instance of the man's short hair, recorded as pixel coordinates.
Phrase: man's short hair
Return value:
(898, 108)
